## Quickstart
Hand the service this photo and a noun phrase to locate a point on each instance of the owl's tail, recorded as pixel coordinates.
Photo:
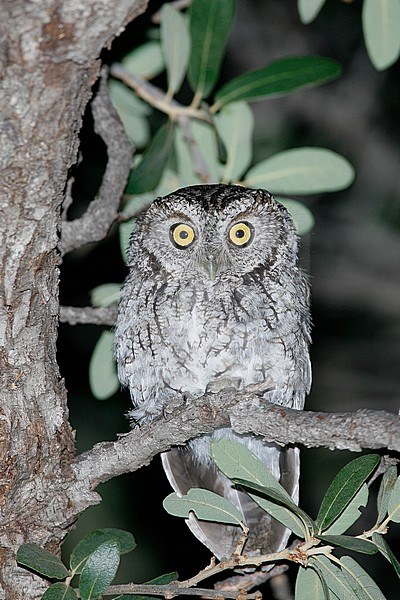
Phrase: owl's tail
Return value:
(185, 471)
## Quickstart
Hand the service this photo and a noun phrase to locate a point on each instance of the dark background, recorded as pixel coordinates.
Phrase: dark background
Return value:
(353, 255)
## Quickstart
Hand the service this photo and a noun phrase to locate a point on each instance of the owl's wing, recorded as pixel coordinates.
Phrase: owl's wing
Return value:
(266, 535)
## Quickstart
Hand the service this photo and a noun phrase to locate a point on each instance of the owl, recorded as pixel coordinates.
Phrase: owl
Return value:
(215, 300)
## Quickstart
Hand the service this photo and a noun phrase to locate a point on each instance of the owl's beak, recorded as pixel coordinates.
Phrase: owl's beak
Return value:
(211, 267)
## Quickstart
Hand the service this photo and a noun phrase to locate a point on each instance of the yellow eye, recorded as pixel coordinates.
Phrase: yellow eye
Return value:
(182, 235)
(241, 234)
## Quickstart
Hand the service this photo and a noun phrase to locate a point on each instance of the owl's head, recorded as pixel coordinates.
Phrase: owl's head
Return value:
(212, 230)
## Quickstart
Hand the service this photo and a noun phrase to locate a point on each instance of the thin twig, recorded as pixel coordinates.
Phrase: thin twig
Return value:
(173, 589)
(156, 97)
(88, 315)
(200, 167)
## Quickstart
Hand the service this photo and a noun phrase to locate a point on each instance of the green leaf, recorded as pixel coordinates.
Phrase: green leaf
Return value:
(209, 24)
(302, 171)
(237, 462)
(175, 43)
(344, 487)
(59, 591)
(387, 484)
(146, 176)
(131, 111)
(350, 543)
(309, 9)
(125, 100)
(350, 514)
(278, 496)
(394, 502)
(385, 549)
(105, 294)
(92, 541)
(235, 124)
(99, 570)
(206, 505)
(309, 586)
(41, 561)
(334, 577)
(280, 77)
(363, 586)
(381, 26)
(146, 60)
(300, 213)
(103, 377)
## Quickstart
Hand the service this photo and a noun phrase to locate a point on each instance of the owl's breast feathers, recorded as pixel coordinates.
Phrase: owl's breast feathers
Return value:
(189, 335)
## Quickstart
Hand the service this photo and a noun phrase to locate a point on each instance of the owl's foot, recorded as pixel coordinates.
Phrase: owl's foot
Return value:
(144, 414)
(261, 388)
(224, 384)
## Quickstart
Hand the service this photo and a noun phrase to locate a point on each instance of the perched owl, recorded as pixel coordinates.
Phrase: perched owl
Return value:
(214, 299)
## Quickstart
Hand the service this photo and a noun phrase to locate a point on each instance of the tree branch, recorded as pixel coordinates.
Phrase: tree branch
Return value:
(245, 413)
(94, 225)
(88, 315)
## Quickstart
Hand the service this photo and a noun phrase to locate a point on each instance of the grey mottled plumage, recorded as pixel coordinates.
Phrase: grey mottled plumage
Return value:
(215, 299)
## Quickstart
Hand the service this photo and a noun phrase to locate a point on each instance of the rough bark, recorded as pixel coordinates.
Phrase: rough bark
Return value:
(49, 57)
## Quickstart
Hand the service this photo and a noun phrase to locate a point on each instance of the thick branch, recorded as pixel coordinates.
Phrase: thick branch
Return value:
(245, 413)
(103, 210)
(87, 315)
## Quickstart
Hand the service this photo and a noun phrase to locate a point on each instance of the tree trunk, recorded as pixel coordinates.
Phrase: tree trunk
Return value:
(49, 61)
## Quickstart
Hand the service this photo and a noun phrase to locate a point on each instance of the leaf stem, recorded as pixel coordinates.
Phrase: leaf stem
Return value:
(156, 97)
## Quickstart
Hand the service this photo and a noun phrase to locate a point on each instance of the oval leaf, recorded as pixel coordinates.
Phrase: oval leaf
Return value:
(146, 176)
(175, 42)
(280, 77)
(237, 462)
(300, 213)
(387, 484)
(350, 514)
(309, 586)
(209, 24)
(384, 549)
(41, 561)
(103, 377)
(99, 570)
(344, 487)
(59, 591)
(278, 496)
(105, 294)
(302, 171)
(363, 586)
(206, 505)
(349, 542)
(235, 124)
(394, 502)
(381, 26)
(333, 576)
(90, 543)
(309, 9)
(146, 60)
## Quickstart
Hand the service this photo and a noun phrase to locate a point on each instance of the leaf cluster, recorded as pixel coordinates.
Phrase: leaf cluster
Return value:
(322, 574)
(94, 562)
(95, 559)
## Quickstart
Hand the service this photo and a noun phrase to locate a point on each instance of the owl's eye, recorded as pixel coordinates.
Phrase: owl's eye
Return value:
(182, 235)
(241, 234)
